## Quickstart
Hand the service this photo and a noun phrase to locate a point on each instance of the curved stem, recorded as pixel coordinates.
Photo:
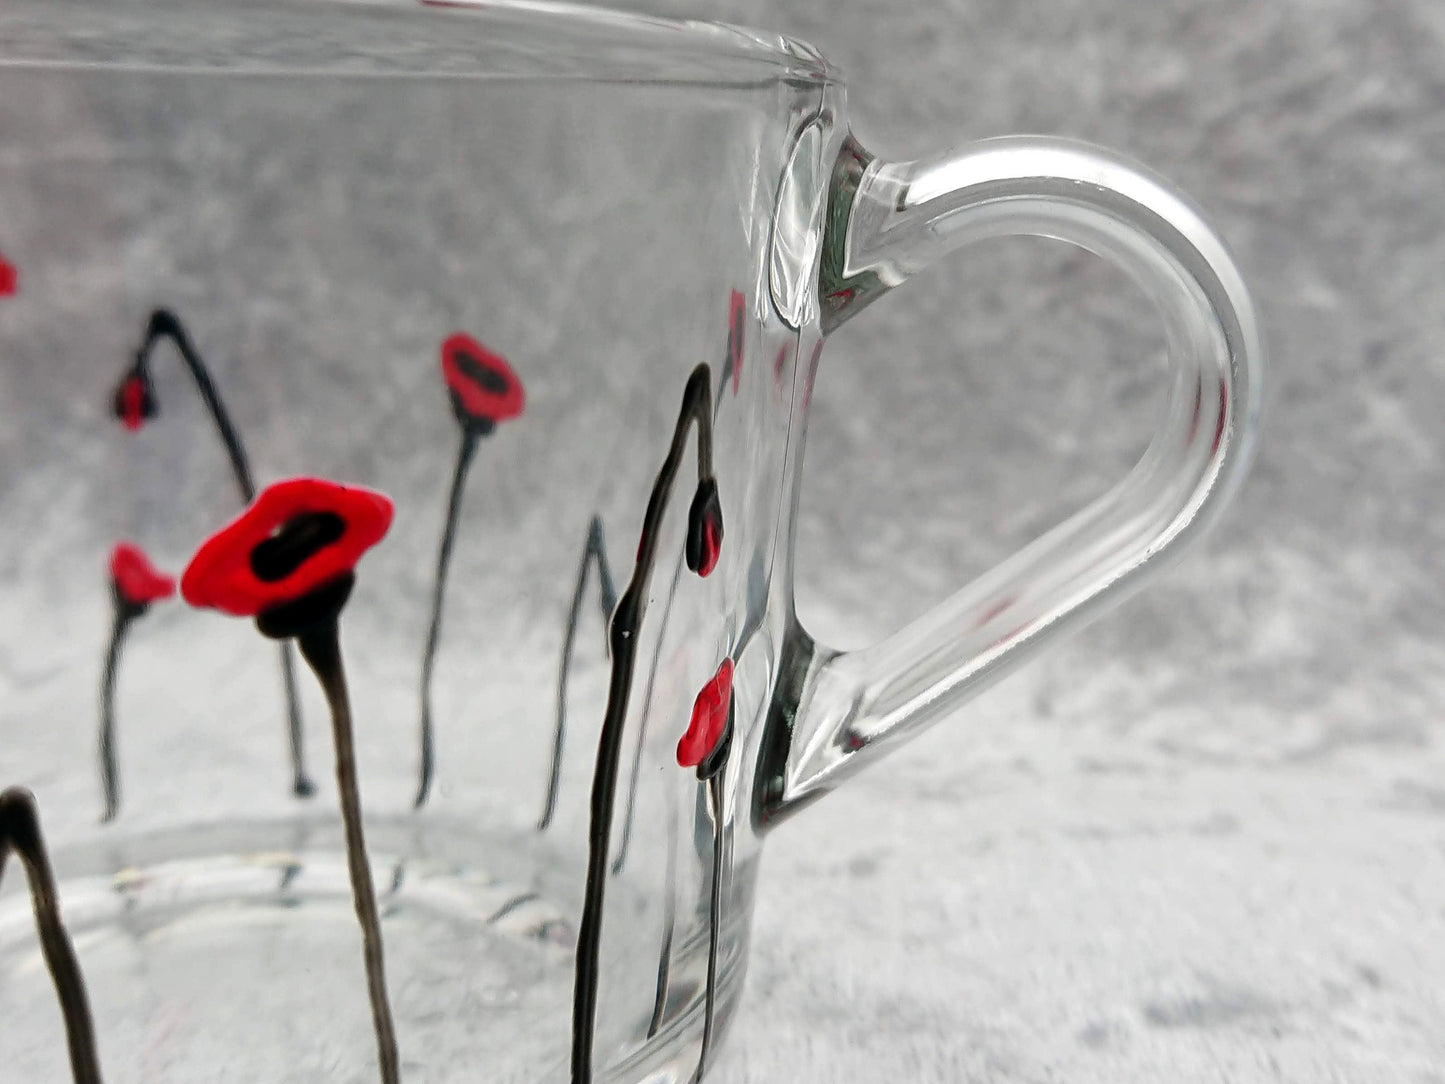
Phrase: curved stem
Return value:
(595, 549)
(164, 324)
(321, 648)
(623, 634)
(715, 798)
(20, 830)
(465, 451)
(109, 774)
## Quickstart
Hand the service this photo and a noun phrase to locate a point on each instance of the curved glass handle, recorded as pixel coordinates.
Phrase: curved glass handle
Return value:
(836, 712)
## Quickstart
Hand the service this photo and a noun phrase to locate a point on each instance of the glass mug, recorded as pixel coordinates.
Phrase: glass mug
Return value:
(501, 321)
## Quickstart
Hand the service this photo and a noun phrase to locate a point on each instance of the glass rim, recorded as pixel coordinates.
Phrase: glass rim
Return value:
(483, 40)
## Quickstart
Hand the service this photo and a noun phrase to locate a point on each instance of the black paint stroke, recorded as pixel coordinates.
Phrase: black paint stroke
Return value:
(593, 550)
(669, 920)
(164, 324)
(109, 774)
(321, 648)
(20, 832)
(712, 772)
(623, 635)
(466, 451)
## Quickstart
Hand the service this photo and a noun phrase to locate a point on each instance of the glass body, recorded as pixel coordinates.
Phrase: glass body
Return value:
(309, 218)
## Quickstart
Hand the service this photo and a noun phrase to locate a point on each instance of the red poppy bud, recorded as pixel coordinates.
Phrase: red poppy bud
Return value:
(704, 529)
(137, 581)
(709, 718)
(9, 278)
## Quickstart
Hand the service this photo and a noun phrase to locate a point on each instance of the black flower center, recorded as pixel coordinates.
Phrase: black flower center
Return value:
(291, 544)
(488, 379)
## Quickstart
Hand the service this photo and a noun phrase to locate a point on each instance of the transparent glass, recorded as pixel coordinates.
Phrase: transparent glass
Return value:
(555, 282)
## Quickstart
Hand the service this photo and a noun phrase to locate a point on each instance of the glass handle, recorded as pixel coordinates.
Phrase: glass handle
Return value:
(836, 712)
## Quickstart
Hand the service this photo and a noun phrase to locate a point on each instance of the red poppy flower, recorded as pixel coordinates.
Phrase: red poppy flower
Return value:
(737, 315)
(709, 718)
(138, 582)
(483, 387)
(9, 278)
(297, 537)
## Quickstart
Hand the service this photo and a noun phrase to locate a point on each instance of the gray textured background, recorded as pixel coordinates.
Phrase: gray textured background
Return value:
(1206, 839)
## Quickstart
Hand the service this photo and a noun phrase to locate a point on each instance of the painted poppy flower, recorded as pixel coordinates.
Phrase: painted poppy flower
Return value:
(483, 387)
(135, 400)
(297, 538)
(704, 529)
(9, 278)
(709, 718)
(138, 582)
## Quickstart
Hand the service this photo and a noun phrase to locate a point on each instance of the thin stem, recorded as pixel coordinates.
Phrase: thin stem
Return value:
(715, 797)
(20, 830)
(669, 920)
(624, 844)
(595, 549)
(109, 774)
(301, 784)
(321, 648)
(164, 324)
(623, 635)
(465, 451)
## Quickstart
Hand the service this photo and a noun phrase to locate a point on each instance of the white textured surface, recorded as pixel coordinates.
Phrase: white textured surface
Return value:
(1204, 841)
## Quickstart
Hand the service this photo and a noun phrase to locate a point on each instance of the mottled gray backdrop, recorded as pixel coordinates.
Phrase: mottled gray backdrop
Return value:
(1205, 840)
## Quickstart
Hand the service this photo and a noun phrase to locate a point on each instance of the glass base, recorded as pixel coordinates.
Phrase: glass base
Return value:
(233, 954)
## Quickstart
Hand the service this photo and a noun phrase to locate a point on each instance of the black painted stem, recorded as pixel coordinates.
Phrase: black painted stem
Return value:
(595, 549)
(164, 324)
(109, 774)
(625, 843)
(623, 634)
(20, 831)
(715, 799)
(465, 453)
(321, 648)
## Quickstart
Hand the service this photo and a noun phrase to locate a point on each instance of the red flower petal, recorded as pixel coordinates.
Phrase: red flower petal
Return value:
(220, 575)
(709, 718)
(139, 582)
(483, 385)
(9, 278)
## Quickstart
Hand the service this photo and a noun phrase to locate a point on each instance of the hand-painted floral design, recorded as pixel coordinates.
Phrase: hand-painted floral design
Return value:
(708, 727)
(296, 539)
(138, 582)
(289, 561)
(705, 746)
(623, 637)
(484, 392)
(135, 403)
(20, 832)
(9, 278)
(135, 584)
